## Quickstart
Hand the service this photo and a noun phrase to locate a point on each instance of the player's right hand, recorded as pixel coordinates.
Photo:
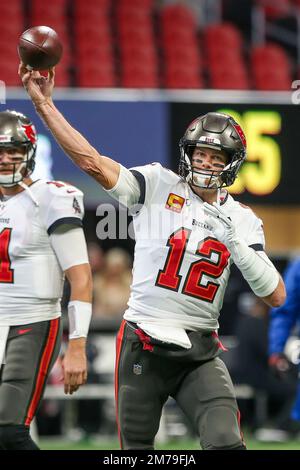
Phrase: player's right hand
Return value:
(74, 365)
(38, 87)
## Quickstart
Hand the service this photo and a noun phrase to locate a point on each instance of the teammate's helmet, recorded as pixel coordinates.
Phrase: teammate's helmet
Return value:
(217, 131)
(16, 130)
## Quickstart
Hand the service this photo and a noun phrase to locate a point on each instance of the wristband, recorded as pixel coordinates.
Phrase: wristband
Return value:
(80, 314)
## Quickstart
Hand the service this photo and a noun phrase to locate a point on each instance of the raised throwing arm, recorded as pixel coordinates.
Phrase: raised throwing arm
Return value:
(103, 169)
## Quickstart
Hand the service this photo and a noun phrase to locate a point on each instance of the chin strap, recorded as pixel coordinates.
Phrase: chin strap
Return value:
(187, 196)
(218, 197)
(29, 192)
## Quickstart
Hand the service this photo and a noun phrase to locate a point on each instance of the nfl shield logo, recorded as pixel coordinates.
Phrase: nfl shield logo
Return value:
(137, 369)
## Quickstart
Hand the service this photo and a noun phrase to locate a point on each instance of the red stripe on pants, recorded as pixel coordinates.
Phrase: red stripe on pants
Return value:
(220, 345)
(239, 423)
(118, 352)
(43, 369)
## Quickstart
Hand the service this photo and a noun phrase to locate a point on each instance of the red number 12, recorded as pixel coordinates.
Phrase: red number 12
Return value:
(169, 277)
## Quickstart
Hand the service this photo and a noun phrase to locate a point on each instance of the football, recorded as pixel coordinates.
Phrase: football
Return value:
(40, 48)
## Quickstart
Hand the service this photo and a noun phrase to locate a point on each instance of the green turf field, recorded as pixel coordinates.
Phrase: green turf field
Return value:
(47, 444)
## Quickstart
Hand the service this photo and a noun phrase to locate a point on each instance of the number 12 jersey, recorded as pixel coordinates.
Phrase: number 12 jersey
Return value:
(181, 270)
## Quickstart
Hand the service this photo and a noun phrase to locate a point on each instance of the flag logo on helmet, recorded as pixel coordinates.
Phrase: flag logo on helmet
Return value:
(30, 132)
(240, 133)
(193, 124)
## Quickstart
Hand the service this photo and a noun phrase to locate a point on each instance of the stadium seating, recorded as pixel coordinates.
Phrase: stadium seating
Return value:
(179, 76)
(225, 58)
(182, 63)
(108, 42)
(137, 49)
(275, 10)
(9, 75)
(178, 14)
(95, 74)
(224, 34)
(138, 3)
(270, 68)
(94, 44)
(10, 31)
(92, 5)
(55, 14)
(227, 77)
(139, 75)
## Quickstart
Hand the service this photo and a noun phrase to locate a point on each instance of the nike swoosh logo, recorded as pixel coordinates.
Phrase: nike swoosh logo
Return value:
(22, 332)
(69, 191)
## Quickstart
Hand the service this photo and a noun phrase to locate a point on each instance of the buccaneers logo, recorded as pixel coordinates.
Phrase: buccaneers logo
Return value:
(240, 133)
(30, 132)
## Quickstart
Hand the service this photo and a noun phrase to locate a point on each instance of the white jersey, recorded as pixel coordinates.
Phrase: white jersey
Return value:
(181, 270)
(31, 279)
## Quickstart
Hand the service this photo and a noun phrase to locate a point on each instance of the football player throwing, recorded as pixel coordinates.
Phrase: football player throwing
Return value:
(188, 231)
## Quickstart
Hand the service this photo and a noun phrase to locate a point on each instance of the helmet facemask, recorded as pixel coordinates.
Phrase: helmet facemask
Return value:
(201, 178)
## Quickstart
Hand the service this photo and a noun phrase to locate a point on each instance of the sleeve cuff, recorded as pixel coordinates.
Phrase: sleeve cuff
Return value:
(257, 247)
(65, 220)
(142, 183)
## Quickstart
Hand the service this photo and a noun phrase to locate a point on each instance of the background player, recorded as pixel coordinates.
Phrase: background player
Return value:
(167, 344)
(40, 239)
(283, 321)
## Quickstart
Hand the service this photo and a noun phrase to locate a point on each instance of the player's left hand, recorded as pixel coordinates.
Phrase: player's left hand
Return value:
(74, 366)
(223, 228)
